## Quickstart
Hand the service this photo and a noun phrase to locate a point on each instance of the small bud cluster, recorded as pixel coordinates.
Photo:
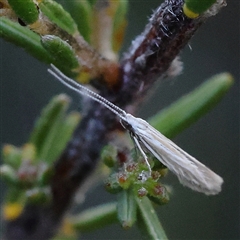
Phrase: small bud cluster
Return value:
(134, 175)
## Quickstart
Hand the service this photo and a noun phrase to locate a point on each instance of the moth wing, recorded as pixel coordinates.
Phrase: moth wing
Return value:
(189, 170)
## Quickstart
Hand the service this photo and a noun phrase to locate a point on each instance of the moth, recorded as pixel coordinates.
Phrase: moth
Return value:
(189, 170)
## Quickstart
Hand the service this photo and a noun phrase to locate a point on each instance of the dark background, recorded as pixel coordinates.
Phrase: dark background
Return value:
(26, 87)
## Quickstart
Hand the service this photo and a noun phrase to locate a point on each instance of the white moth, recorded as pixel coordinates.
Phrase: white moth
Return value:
(189, 170)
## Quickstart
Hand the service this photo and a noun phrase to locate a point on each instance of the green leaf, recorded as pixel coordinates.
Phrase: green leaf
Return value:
(127, 208)
(94, 218)
(48, 125)
(25, 38)
(199, 6)
(188, 109)
(92, 2)
(81, 11)
(61, 51)
(58, 15)
(26, 10)
(150, 222)
(109, 155)
(63, 135)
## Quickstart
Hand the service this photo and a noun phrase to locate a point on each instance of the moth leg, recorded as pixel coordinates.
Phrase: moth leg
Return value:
(143, 153)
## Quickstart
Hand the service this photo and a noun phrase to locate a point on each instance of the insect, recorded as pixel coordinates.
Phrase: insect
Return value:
(190, 171)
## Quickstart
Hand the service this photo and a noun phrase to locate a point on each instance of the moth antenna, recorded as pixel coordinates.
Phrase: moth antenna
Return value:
(70, 83)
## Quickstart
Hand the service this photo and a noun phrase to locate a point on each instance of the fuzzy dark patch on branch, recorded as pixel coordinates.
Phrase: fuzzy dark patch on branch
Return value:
(153, 52)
